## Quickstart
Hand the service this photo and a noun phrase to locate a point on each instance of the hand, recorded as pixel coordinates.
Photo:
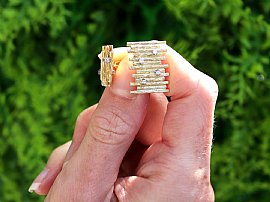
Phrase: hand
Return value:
(139, 147)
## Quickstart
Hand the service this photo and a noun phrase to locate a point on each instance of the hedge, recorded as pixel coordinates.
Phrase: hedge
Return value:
(48, 74)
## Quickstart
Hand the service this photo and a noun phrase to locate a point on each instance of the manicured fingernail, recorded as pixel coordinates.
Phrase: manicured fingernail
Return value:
(37, 182)
(34, 186)
(122, 78)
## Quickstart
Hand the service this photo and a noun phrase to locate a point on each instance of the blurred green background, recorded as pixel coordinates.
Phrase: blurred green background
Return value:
(48, 74)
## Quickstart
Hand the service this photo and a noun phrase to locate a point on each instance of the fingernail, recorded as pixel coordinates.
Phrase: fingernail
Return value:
(122, 78)
(70, 151)
(64, 164)
(37, 182)
(34, 186)
(118, 187)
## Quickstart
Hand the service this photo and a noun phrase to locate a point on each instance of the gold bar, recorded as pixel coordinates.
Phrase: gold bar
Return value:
(147, 51)
(158, 83)
(143, 59)
(148, 63)
(150, 91)
(153, 42)
(149, 75)
(151, 87)
(153, 79)
(158, 66)
(151, 71)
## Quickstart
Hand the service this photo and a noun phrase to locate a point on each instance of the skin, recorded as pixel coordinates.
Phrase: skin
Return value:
(139, 147)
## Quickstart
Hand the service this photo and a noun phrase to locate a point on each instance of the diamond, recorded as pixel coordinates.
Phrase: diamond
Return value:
(107, 59)
(155, 52)
(143, 81)
(157, 72)
(141, 60)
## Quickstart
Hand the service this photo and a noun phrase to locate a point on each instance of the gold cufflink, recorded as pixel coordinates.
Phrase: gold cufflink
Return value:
(150, 72)
(107, 65)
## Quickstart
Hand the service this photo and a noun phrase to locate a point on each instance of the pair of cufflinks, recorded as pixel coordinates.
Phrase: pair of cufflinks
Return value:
(147, 59)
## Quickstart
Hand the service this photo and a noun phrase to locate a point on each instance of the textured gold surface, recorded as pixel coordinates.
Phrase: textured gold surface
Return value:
(106, 64)
(147, 61)
(145, 43)
(155, 66)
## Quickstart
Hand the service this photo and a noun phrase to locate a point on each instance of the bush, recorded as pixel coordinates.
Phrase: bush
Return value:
(48, 68)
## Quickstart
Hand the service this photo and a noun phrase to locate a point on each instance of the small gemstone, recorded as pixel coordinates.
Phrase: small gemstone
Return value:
(157, 72)
(155, 52)
(143, 81)
(141, 60)
(107, 60)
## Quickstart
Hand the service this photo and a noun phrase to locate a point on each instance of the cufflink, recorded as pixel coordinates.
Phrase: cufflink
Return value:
(107, 65)
(147, 58)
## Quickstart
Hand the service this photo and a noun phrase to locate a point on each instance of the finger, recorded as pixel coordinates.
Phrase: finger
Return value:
(45, 179)
(118, 53)
(182, 160)
(188, 122)
(65, 151)
(131, 159)
(111, 131)
(135, 188)
(151, 128)
(81, 126)
(150, 132)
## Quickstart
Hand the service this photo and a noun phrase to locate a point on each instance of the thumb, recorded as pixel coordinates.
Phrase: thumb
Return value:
(111, 130)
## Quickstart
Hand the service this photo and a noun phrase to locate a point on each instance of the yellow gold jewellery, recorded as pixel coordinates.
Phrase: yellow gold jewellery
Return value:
(147, 60)
(107, 65)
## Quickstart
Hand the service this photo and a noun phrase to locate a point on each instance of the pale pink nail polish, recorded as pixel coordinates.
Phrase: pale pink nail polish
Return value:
(34, 186)
(37, 182)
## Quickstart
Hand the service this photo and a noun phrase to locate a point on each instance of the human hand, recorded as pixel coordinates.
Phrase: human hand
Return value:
(169, 160)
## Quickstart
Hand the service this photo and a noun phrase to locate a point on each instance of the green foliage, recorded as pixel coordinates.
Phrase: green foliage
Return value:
(48, 68)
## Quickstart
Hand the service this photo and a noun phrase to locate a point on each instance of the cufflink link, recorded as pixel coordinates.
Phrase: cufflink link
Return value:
(150, 71)
(107, 65)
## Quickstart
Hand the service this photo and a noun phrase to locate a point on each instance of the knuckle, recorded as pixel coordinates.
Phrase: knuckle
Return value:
(206, 95)
(213, 87)
(204, 190)
(211, 194)
(207, 195)
(80, 117)
(56, 151)
(60, 150)
(198, 193)
(209, 88)
(112, 127)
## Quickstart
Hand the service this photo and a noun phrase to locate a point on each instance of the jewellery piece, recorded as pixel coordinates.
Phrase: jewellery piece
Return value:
(107, 66)
(147, 57)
